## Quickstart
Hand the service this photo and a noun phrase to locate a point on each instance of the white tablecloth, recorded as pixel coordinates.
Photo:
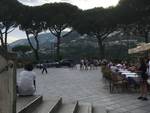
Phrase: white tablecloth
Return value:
(130, 74)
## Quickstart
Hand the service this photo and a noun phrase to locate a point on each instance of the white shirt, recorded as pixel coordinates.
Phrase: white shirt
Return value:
(26, 83)
(113, 68)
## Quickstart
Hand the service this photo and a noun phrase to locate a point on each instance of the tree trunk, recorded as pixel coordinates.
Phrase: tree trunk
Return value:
(36, 55)
(35, 49)
(2, 40)
(6, 49)
(101, 48)
(146, 37)
(58, 49)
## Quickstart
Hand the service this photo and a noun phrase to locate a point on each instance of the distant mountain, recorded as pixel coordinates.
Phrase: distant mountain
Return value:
(75, 46)
(44, 40)
(75, 39)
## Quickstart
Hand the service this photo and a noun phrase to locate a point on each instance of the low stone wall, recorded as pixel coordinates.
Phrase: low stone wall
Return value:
(7, 85)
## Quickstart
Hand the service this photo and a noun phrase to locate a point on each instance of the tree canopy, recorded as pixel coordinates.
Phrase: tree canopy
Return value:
(97, 22)
(21, 48)
(8, 14)
(56, 17)
(59, 17)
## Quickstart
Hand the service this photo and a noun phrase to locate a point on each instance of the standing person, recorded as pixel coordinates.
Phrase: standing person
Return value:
(86, 64)
(27, 81)
(144, 77)
(148, 67)
(91, 64)
(44, 68)
(96, 63)
(81, 64)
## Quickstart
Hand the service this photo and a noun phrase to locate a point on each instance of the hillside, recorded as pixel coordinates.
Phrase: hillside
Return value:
(44, 41)
(76, 46)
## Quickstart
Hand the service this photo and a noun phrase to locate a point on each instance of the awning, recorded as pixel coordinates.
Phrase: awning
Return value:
(140, 48)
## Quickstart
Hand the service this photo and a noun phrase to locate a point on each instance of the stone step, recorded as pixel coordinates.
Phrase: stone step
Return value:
(68, 108)
(99, 109)
(26, 104)
(48, 106)
(86, 108)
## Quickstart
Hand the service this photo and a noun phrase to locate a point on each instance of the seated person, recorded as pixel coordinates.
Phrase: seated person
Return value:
(119, 66)
(132, 68)
(113, 68)
(26, 84)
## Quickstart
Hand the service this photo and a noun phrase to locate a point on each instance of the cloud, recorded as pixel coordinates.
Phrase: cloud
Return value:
(83, 4)
(16, 35)
(32, 2)
(12, 39)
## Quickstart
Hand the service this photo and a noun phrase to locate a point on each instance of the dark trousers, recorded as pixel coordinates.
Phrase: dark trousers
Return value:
(44, 69)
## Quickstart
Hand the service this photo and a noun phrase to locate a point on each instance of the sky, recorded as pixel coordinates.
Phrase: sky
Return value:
(82, 4)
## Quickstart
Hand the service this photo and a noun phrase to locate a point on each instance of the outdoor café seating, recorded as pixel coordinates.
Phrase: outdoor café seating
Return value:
(122, 80)
(132, 78)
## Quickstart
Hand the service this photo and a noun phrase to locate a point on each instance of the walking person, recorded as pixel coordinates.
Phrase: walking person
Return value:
(144, 77)
(44, 69)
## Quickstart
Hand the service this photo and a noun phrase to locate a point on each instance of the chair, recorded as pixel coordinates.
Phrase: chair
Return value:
(133, 84)
(118, 82)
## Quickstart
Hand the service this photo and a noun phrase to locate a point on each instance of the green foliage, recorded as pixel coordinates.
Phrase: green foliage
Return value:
(58, 17)
(106, 72)
(21, 48)
(8, 16)
(30, 23)
(97, 22)
(131, 15)
(58, 14)
(78, 51)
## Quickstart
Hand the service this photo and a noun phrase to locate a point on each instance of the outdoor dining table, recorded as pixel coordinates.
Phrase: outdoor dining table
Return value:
(127, 73)
(130, 74)
(131, 77)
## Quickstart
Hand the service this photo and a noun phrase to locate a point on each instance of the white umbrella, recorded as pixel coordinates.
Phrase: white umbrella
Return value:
(141, 48)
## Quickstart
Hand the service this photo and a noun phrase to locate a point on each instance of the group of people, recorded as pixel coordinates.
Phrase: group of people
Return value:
(143, 70)
(26, 84)
(86, 64)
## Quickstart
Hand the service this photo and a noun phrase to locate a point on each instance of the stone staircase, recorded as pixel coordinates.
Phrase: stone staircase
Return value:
(38, 104)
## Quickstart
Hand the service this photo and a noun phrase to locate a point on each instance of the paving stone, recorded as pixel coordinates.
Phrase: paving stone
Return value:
(115, 106)
(146, 108)
(132, 107)
(138, 111)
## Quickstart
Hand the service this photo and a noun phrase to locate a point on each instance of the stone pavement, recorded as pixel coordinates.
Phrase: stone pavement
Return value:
(87, 87)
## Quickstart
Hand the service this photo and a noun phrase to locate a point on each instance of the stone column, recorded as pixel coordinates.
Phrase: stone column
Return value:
(7, 86)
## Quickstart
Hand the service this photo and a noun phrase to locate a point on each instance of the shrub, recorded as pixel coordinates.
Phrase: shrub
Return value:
(106, 72)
